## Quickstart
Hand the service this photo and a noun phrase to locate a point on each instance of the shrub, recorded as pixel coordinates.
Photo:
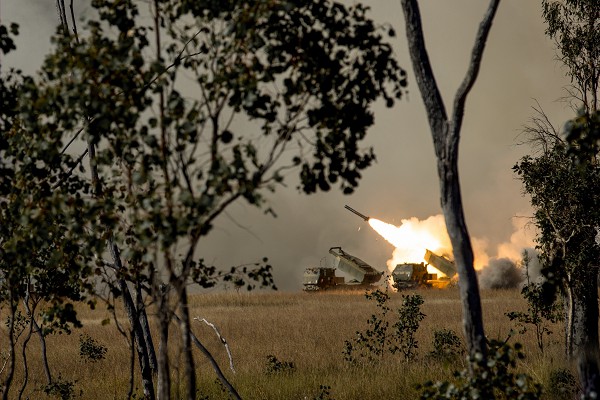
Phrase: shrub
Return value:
(447, 345)
(540, 312)
(324, 393)
(494, 379)
(377, 340)
(274, 366)
(61, 389)
(90, 350)
(405, 329)
(562, 384)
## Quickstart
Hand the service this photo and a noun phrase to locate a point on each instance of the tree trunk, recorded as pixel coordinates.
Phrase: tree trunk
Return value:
(190, 370)
(446, 136)
(164, 378)
(146, 333)
(11, 348)
(38, 330)
(133, 316)
(568, 313)
(463, 257)
(585, 332)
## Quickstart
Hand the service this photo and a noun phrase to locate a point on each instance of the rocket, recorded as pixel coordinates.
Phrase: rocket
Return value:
(352, 210)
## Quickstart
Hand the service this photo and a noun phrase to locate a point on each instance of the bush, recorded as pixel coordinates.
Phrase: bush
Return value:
(405, 329)
(446, 345)
(562, 384)
(324, 393)
(494, 379)
(377, 340)
(274, 366)
(90, 350)
(61, 389)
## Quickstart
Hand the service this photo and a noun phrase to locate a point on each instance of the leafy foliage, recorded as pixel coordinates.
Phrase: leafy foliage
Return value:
(375, 341)
(539, 313)
(575, 27)
(447, 345)
(181, 113)
(324, 393)
(540, 310)
(562, 384)
(583, 137)
(379, 338)
(90, 350)
(61, 389)
(494, 379)
(405, 328)
(275, 366)
(565, 198)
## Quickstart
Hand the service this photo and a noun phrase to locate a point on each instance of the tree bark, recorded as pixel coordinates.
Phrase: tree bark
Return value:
(138, 334)
(164, 378)
(11, 347)
(190, 370)
(585, 332)
(146, 333)
(446, 136)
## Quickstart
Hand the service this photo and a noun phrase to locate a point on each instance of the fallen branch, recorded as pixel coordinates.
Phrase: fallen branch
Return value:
(213, 362)
(221, 338)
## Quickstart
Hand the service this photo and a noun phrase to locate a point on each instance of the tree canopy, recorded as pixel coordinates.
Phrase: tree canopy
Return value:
(181, 109)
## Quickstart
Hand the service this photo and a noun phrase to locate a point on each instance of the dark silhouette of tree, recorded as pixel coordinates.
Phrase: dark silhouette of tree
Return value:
(445, 131)
(563, 180)
(182, 112)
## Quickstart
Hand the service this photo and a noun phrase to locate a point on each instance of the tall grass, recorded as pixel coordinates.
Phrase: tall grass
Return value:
(308, 330)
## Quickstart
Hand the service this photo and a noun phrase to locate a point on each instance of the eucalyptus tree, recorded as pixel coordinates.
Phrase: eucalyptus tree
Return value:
(575, 27)
(563, 181)
(186, 107)
(445, 132)
(42, 266)
(565, 196)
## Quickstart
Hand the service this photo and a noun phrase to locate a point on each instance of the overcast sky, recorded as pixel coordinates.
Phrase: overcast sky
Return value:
(519, 67)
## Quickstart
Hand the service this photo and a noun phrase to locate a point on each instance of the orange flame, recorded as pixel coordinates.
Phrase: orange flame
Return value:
(413, 237)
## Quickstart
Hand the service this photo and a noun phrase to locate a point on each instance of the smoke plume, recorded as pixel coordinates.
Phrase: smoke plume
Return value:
(504, 273)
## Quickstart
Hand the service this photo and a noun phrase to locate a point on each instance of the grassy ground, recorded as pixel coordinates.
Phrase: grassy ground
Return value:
(307, 330)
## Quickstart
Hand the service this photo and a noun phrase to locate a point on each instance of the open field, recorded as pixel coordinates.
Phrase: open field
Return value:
(306, 329)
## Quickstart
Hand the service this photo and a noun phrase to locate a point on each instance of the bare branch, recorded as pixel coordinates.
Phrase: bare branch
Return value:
(221, 338)
(540, 133)
(474, 66)
(214, 364)
(434, 105)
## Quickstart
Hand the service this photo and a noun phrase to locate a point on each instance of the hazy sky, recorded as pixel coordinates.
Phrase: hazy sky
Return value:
(519, 67)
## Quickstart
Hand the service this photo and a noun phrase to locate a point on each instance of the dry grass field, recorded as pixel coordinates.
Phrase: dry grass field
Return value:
(306, 329)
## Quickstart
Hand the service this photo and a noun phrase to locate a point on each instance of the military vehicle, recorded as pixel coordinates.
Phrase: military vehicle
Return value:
(412, 275)
(324, 278)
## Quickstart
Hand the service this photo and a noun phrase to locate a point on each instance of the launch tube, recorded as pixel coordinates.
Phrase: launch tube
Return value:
(352, 210)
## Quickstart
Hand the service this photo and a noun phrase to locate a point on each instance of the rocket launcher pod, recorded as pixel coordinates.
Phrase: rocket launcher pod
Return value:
(352, 210)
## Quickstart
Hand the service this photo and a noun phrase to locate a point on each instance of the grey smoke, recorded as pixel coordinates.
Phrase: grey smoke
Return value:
(503, 273)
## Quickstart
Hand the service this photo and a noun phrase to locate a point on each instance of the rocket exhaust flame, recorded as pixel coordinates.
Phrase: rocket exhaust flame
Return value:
(412, 238)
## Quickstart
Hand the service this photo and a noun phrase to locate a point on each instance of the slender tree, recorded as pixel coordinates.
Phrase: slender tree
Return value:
(563, 182)
(445, 132)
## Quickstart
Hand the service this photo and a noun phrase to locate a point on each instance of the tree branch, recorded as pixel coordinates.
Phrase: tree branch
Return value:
(473, 71)
(434, 105)
(213, 362)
